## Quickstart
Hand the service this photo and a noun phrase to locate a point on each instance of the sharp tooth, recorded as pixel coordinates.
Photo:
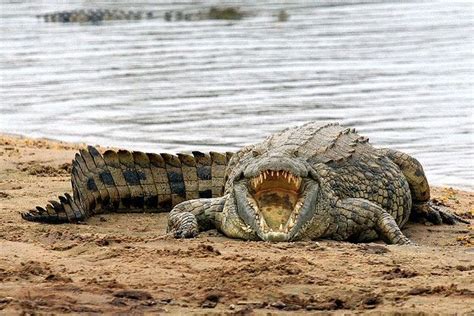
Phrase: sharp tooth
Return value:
(298, 207)
(281, 226)
(271, 172)
(287, 229)
(262, 222)
(253, 205)
(291, 223)
(265, 175)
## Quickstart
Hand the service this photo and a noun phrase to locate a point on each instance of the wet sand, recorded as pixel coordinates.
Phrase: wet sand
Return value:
(123, 262)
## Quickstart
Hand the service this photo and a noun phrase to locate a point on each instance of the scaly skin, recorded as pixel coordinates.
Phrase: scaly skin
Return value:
(304, 183)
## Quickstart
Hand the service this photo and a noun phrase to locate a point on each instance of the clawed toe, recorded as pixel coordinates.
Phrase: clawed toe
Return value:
(446, 216)
(29, 216)
(181, 234)
(450, 218)
(435, 214)
(182, 225)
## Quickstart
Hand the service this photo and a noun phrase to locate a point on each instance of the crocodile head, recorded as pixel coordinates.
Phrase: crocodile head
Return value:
(274, 194)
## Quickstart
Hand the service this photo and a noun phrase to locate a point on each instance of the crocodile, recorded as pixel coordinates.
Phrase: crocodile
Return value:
(100, 15)
(94, 16)
(315, 181)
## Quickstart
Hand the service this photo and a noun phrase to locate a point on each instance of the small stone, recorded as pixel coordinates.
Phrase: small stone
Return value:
(166, 300)
(6, 299)
(134, 295)
(209, 304)
(253, 304)
(211, 300)
(278, 304)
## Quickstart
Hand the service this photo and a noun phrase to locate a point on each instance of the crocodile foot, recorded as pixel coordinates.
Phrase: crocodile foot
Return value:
(182, 225)
(436, 214)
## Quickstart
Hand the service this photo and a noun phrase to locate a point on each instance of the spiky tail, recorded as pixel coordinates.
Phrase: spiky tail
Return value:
(125, 181)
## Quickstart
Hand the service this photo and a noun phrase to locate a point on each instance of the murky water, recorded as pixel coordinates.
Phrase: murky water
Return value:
(401, 73)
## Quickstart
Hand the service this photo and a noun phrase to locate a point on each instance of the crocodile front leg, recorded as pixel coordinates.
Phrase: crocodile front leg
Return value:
(189, 218)
(361, 220)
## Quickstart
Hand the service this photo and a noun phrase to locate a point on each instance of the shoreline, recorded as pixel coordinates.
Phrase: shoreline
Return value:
(121, 263)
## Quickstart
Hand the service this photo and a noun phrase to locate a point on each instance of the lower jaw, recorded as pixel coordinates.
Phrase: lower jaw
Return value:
(274, 236)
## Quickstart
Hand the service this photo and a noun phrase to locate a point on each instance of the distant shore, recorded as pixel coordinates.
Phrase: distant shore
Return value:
(120, 263)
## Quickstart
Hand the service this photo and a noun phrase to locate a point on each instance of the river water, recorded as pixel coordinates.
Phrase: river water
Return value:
(400, 72)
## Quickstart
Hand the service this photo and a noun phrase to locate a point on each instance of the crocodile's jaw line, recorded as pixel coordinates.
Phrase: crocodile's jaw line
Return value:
(251, 214)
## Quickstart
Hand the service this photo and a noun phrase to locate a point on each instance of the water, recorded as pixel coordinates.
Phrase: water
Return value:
(400, 72)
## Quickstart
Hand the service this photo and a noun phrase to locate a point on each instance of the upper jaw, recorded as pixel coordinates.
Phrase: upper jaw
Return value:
(275, 162)
(292, 166)
(285, 175)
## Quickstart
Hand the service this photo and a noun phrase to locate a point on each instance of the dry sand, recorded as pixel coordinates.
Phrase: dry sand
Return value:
(122, 263)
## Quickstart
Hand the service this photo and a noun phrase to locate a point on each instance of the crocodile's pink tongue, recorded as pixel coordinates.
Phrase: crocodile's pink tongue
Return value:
(276, 206)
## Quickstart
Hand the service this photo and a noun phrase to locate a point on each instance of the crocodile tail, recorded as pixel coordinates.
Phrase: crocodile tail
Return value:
(64, 211)
(125, 181)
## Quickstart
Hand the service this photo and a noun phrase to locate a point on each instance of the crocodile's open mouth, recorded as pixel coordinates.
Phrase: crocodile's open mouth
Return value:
(274, 195)
(276, 199)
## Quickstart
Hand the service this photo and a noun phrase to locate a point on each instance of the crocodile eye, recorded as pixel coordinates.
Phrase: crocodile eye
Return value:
(240, 176)
(296, 153)
(255, 153)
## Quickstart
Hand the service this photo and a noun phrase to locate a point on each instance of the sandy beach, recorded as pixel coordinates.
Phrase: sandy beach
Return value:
(124, 263)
